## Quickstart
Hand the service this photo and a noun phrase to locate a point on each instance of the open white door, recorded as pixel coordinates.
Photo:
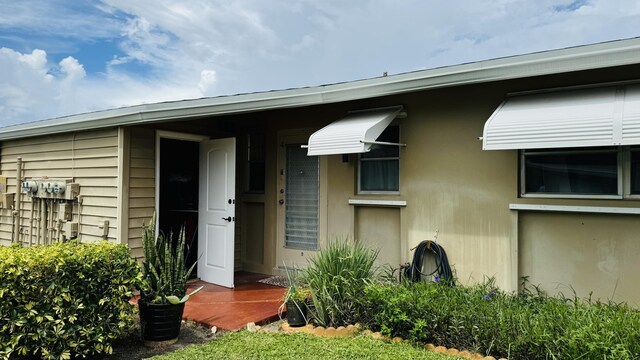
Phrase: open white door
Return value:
(216, 220)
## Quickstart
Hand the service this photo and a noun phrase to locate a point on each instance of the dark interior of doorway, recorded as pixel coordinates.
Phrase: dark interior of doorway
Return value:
(178, 193)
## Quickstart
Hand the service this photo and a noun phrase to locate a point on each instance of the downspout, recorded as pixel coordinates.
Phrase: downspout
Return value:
(16, 213)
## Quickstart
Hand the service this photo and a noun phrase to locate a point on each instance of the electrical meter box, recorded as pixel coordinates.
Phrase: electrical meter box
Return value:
(70, 230)
(62, 189)
(64, 211)
(6, 200)
(3, 184)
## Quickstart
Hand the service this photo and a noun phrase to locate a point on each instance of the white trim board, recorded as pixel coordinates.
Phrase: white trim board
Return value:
(580, 209)
(366, 202)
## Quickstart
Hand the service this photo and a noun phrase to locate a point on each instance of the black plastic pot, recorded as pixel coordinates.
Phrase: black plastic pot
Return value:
(160, 322)
(296, 313)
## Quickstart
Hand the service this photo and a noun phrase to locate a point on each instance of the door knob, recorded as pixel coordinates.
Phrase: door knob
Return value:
(227, 219)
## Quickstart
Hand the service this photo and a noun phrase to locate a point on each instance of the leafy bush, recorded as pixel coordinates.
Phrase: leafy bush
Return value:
(481, 318)
(66, 299)
(336, 277)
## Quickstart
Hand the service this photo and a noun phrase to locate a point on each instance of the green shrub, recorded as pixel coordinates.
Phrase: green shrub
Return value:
(486, 320)
(64, 300)
(335, 278)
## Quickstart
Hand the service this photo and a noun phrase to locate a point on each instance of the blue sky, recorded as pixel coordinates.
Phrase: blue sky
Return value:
(62, 57)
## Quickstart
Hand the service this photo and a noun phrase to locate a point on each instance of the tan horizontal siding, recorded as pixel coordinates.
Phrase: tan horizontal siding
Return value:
(59, 147)
(89, 158)
(91, 135)
(139, 163)
(137, 203)
(142, 173)
(59, 171)
(142, 185)
(136, 223)
(135, 193)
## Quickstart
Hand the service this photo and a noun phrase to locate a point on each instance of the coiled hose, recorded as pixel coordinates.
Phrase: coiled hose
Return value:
(429, 248)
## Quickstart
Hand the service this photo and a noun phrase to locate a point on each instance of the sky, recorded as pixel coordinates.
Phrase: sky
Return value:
(63, 57)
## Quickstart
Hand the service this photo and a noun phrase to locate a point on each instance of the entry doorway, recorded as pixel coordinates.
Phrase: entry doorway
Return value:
(177, 189)
(179, 194)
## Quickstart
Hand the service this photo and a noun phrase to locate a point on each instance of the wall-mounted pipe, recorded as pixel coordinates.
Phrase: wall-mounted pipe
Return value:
(50, 223)
(43, 221)
(36, 205)
(18, 207)
(31, 222)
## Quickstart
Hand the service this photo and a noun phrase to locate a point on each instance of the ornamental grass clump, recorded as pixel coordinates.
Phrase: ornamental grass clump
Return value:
(336, 277)
(65, 300)
(481, 318)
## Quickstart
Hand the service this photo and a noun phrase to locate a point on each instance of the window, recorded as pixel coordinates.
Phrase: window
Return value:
(581, 173)
(379, 169)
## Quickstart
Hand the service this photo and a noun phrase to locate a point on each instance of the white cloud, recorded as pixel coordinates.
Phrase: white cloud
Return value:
(72, 69)
(207, 80)
(24, 79)
(206, 48)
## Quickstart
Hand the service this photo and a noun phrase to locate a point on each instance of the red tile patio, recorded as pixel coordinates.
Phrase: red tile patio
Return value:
(232, 309)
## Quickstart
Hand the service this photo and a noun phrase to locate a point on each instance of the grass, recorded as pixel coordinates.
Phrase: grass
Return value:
(246, 345)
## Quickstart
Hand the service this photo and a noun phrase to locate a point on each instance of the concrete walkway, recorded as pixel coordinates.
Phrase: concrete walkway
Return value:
(232, 309)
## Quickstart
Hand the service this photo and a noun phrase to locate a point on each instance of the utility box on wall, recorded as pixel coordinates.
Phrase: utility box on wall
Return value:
(6, 199)
(62, 189)
(3, 184)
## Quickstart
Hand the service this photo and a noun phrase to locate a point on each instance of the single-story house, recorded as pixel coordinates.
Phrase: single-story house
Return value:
(525, 167)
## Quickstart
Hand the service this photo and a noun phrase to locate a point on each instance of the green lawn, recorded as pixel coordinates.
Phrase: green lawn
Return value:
(246, 345)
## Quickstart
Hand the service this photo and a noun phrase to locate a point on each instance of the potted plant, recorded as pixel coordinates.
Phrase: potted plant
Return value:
(295, 300)
(163, 293)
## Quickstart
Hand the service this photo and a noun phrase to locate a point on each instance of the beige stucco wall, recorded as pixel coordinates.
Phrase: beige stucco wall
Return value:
(90, 158)
(584, 252)
(449, 184)
(453, 187)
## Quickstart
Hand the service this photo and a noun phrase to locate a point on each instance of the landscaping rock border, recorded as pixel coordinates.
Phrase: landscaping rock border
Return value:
(354, 330)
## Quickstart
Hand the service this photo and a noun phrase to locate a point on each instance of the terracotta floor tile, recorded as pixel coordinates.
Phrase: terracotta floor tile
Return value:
(232, 309)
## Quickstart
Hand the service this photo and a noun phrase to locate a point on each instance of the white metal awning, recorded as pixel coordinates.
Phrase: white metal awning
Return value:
(607, 116)
(354, 133)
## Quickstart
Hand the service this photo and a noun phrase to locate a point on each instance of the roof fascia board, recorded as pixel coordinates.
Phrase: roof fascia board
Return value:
(603, 55)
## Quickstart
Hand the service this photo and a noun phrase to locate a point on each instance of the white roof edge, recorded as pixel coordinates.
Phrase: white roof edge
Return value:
(601, 55)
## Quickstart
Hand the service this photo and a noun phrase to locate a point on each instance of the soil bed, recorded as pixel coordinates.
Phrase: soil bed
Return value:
(132, 347)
